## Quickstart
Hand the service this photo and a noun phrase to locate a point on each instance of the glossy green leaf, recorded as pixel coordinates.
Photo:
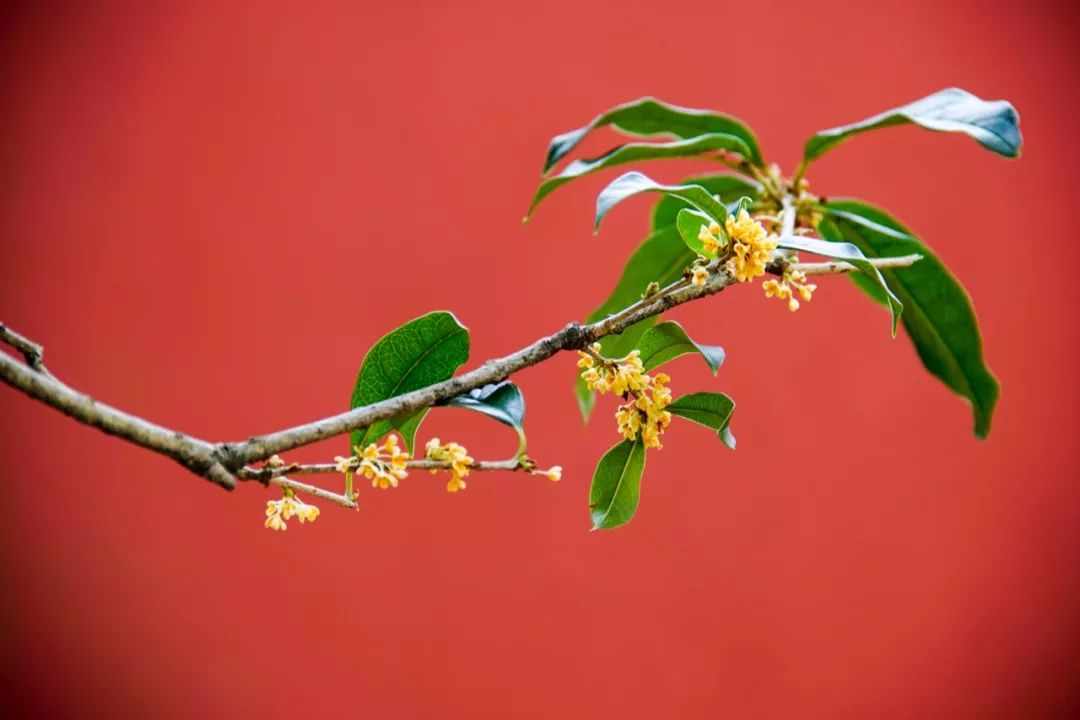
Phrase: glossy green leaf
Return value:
(938, 315)
(668, 341)
(649, 116)
(635, 183)
(995, 124)
(633, 152)
(729, 187)
(689, 224)
(422, 352)
(616, 485)
(501, 401)
(713, 410)
(849, 253)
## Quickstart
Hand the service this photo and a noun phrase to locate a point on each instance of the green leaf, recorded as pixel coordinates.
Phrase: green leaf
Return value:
(995, 124)
(713, 410)
(501, 401)
(728, 187)
(743, 203)
(865, 222)
(634, 152)
(938, 317)
(616, 485)
(634, 183)
(849, 253)
(422, 352)
(689, 224)
(668, 341)
(649, 116)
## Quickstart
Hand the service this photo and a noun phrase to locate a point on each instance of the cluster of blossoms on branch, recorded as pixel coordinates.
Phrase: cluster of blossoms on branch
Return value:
(646, 396)
(456, 455)
(289, 506)
(751, 252)
(384, 465)
(790, 282)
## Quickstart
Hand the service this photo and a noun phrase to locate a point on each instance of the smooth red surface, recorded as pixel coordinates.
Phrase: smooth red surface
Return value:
(211, 210)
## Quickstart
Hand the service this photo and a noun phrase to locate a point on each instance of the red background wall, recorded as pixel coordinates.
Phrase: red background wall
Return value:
(209, 212)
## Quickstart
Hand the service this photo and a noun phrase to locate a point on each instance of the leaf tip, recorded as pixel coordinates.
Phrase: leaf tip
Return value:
(727, 438)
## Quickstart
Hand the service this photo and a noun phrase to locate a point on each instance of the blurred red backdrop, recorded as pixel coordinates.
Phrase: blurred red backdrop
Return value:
(211, 210)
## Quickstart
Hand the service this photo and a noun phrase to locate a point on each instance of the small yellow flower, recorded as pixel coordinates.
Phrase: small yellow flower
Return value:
(785, 288)
(711, 238)
(344, 464)
(383, 465)
(700, 275)
(751, 249)
(629, 374)
(289, 506)
(553, 474)
(456, 455)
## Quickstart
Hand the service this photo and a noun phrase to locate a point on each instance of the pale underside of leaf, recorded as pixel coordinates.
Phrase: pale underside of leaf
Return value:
(995, 124)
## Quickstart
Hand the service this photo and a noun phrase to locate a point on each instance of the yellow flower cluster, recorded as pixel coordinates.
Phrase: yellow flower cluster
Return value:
(711, 237)
(382, 464)
(644, 413)
(751, 248)
(456, 455)
(790, 283)
(289, 506)
(620, 377)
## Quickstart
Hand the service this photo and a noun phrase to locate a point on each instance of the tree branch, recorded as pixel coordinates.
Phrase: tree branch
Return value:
(839, 266)
(312, 490)
(220, 462)
(194, 454)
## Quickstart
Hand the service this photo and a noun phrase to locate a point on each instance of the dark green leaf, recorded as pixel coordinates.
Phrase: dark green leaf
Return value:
(634, 152)
(501, 401)
(849, 253)
(995, 124)
(689, 224)
(713, 410)
(668, 341)
(649, 116)
(634, 183)
(422, 352)
(938, 315)
(616, 485)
